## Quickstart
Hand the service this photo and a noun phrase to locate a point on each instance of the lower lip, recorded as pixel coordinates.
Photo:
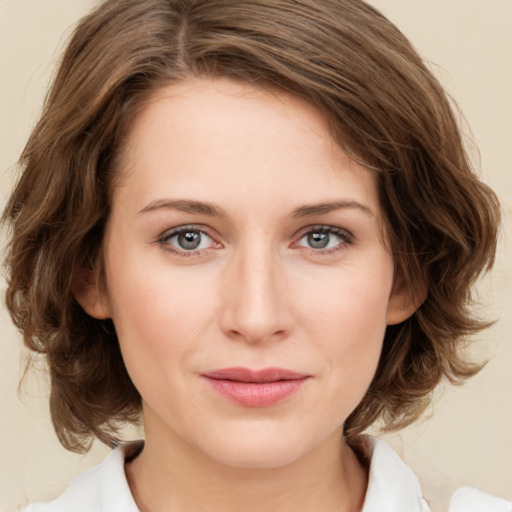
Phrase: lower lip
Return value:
(257, 394)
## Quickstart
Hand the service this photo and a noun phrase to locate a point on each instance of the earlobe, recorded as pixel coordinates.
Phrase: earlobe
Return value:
(403, 303)
(87, 292)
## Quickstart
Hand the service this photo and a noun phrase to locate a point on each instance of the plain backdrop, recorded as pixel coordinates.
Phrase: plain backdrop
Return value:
(465, 437)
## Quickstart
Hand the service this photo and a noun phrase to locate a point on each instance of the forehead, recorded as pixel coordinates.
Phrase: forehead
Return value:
(223, 138)
(205, 111)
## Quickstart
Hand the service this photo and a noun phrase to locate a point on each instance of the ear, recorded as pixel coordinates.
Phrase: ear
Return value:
(403, 302)
(90, 294)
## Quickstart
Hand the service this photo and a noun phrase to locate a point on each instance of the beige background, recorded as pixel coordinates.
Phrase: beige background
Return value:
(469, 46)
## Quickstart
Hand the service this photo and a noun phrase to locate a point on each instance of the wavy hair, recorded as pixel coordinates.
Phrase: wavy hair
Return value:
(385, 109)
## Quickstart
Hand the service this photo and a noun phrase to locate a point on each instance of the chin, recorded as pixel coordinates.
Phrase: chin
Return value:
(258, 457)
(263, 448)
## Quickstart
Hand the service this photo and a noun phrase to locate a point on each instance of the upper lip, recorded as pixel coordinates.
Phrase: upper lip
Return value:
(247, 375)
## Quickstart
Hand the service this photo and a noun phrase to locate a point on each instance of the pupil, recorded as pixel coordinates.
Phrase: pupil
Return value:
(318, 240)
(189, 240)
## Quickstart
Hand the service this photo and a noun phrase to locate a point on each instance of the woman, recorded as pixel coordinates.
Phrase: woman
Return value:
(253, 223)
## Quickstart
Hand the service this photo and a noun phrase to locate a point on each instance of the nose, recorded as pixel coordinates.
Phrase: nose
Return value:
(256, 303)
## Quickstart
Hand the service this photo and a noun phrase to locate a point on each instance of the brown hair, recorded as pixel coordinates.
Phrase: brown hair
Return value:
(385, 109)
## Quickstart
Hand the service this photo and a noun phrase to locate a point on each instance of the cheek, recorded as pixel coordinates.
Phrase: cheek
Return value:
(159, 316)
(156, 311)
(351, 301)
(346, 320)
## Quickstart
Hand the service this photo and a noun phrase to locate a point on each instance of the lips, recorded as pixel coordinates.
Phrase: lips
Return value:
(256, 388)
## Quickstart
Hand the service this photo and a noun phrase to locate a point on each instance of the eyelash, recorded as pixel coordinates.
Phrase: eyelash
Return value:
(346, 238)
(163, 240)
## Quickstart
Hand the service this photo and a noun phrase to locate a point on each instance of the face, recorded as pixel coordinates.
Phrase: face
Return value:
(246, 274)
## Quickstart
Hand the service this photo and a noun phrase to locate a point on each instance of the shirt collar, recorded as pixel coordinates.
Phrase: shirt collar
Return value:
(392, 485)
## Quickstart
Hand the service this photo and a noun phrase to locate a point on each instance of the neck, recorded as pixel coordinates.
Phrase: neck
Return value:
(173, 477)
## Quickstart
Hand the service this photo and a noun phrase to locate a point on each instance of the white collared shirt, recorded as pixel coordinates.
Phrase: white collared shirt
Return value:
(392, 487)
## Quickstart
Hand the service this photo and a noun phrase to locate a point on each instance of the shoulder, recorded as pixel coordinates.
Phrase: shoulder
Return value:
(103, 488)
(470, 499)
(393, 486)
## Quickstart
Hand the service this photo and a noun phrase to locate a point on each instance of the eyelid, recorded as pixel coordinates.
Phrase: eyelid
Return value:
(164, 237)
(168, 233)
(347, 238)
(345, 235)
(327, 228)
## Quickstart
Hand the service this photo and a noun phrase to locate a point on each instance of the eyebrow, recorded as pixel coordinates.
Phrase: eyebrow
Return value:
(212, 210)
(323, 208)
(185, 205)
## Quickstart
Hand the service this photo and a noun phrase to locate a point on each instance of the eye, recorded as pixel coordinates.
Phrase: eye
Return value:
(325, 238)
(186, 239)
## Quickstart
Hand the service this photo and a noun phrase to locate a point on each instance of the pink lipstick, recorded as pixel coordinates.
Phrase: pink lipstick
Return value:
(256, 388)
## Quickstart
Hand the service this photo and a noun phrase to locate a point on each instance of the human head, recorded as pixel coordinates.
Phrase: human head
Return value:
(385, 110)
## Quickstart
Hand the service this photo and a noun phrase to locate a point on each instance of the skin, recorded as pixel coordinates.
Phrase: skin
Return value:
(256, 294)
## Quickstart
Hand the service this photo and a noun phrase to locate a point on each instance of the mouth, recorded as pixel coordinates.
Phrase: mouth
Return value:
(256, 388)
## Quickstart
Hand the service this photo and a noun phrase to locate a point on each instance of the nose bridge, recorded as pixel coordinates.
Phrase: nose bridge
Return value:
(256, 307)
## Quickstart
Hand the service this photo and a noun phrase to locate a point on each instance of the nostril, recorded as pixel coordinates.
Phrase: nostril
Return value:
(254, 305)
